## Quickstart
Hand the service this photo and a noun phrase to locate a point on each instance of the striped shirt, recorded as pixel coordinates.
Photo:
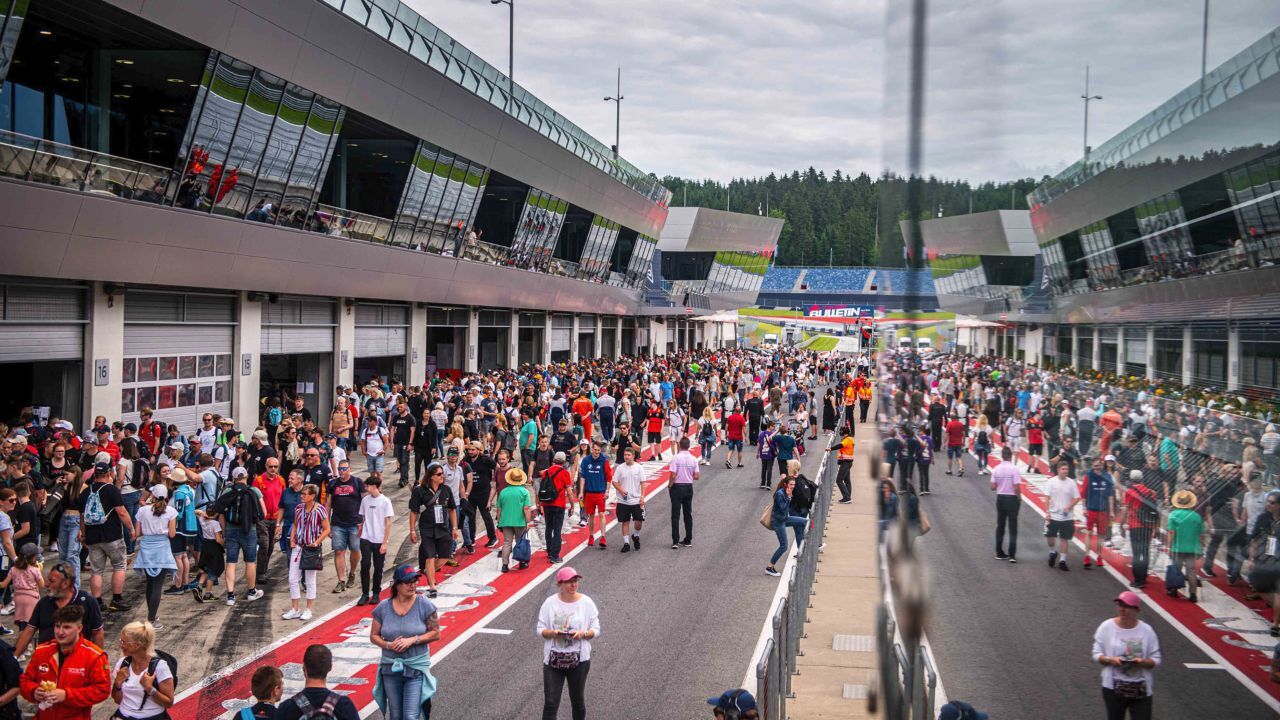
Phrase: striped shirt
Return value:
(309, 525)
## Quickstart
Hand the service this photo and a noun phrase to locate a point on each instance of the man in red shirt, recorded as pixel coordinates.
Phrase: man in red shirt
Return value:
(1035, 441)
(553, 510)
(150, 431)
(271, 484)
(1139, 515)
(733, 426)
(955, 431)
(76, 666)
(583, 407)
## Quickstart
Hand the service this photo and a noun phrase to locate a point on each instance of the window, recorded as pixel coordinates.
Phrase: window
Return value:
(181, 381)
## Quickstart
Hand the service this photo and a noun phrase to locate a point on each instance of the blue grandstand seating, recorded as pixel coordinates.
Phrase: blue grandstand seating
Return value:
(845, 280)
(820, 279)
(780, 278)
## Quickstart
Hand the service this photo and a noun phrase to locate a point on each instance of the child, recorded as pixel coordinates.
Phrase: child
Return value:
(27, 582)
(268, 688)
(213, 558)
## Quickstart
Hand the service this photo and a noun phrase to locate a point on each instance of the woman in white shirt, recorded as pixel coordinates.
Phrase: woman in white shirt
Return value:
(1128, 651)
(567, 623)
(138, 690)
(675, 424)
(154, 527)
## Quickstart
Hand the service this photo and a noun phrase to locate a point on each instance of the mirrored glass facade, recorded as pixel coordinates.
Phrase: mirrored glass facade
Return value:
(594, 265)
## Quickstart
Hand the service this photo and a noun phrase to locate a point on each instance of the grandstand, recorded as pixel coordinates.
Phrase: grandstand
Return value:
(803, 287)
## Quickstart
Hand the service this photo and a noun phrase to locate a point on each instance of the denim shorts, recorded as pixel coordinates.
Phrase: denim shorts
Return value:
(238, 540)
(375, 463)
(734, 445)
(345, 538)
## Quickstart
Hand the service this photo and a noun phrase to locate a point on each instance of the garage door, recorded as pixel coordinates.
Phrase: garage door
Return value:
(295, 326)
(381, 330)
(177, 357)
(41, 322)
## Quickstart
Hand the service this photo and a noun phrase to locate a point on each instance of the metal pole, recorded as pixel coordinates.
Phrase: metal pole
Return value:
(1204, 46)
(617, 118)
(511, 51)
(1086, 112)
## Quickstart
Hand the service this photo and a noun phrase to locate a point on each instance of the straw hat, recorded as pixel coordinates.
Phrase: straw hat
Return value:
(516, 476)
(1184, 499)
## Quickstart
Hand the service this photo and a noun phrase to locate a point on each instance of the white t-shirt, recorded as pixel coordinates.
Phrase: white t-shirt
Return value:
(337, 456)
(1138, 642)
(208, 439)
(126, 467)
(375, 511)
(559, 615)
(631, 479)
(150, 524)
(1062, 492)
(373, 440)
(133, 699)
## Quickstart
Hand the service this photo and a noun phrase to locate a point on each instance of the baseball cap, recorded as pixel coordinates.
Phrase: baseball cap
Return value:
(101, 468)
(737, 699)
(405, 573)
(102, 430)
(453, 450)
(1128, 598)
(1109, 458)
(159, 491)
(131, 427)
(30, 550)
(239, 473)
(957, 710)
(89, 440)
(558, 458)
(175, 446)
(565, 574)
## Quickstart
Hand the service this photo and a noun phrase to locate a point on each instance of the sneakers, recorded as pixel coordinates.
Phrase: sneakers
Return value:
(506, 568)
(341, 586)
(1062, 565)
(491, 544)
(175, 590)
(555, 560)
(686, 543)
(364, 600)
(199, 596)
(626, 547)
(306, 615)
(603, 545)
(961, 473)
(845, 502)
(1204, 570)
(635, 539)
(5, 631)
(8, 609)
(206, 597)
(231, 599)
(675, 546)
(431, 593)
(728, 465)
(1088, 563)
(740, 465)
(1053, 559)
(1192, 597)
(351, 578)
(772, 571)
(451, 562)
(591, 540)
(118, 605)
(1013, 559)
(948, 472)
(253, 594)
(1001, 556)
(291, 614)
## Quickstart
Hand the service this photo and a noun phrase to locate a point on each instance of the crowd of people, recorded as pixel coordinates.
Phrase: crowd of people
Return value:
(1151, 475)
(491, 457)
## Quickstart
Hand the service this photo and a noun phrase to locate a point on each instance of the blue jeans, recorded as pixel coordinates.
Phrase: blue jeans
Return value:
(780, 529)
(285, 529)
(466, 523)
(404, 697)
(440, 433)
(131, 502)
(69, 543)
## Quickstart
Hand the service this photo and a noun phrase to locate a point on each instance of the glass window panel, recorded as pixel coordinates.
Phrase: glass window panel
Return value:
(128, 401)
(447, 229)
(379, 23)
(187, 367)
(290, 144)
(223, 365)
(211, 133)
(129, 371)
(146, 369)
(205, 395)
(439, 60)
(167, 396)
(357, 10)
(421, 49)
(147, 397)
(222, 391)
(168, 368)
(454, 72)
(439, 179)
(206, 366)
(230, 187)
(186, 395)
(400, 35)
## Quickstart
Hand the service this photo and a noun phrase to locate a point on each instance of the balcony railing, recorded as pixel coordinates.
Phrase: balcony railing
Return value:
(51, 163)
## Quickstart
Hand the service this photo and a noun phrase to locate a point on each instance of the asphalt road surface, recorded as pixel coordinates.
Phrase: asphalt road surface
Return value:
(1015, 640)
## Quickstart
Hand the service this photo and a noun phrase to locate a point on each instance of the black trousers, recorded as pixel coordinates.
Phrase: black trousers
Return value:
(1118, 707)
(848, 415)
(766, 472)
(155, 590)
(935, 433)
(421, 458)
(370, 558)
(266, 531)
(554, 518)
(553, 687)
(1140, 546)
(681, 504)
(842, 479)
(486, 516)
(1007, 517)
(924, 476)
(862, 408)
(402, 461)
(753, 428)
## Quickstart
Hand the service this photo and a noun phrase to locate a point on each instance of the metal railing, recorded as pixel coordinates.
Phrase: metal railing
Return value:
(778, 662)
(33, 159)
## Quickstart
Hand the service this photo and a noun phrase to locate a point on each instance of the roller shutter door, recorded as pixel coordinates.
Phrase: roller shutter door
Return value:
(295, 326)
(180, 370)
(381, 330)
(42, 322)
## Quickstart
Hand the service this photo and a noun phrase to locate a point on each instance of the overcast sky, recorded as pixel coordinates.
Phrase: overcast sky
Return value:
(731, 88)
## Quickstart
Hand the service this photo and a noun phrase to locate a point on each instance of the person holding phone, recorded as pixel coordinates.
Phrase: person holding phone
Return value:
(1128, 651)
(567, 623)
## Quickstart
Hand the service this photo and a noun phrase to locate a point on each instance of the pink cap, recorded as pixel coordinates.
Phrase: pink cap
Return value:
(566, 573)
(1127, 598)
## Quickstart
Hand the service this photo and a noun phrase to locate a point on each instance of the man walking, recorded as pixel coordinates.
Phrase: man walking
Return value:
(628, 480)
(1063, 494)
(240, 507)
(555, 493)
(1099, 503)
(343, 508)
(684, 470)
(733, 427)
(1007, 482)
(955, 432)
(754, 408)
(593, 480)
(404, 426)
(1140, 513)
(103, 521)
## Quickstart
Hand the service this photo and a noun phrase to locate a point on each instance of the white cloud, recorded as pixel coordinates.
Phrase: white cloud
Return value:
(729, 88)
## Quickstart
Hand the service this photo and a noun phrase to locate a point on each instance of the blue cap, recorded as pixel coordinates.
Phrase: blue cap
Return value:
(405, 573)
(738, 700)
(102, 468)
(957, 710)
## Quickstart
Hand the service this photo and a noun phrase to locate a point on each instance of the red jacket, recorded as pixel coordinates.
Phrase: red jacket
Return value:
(84, 674)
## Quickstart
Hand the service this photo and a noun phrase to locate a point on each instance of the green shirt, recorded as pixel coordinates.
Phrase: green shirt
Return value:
(511, 504)
(1186, 526)
(529, 435)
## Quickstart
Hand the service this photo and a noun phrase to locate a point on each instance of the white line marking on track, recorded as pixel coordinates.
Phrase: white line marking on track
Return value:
(1204, 666)
(494, 631)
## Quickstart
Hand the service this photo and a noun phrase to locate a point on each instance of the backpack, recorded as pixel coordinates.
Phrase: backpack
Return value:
(324, 712)
(94, 514)
(274, 416)
(547, 490)
(141, 472)
(1148, 515)
(242, 508)
(151, 669)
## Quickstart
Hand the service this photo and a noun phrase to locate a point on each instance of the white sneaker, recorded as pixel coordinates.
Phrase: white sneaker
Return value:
(254, 594)
(7, 609)
(306, 615)
(292, 614)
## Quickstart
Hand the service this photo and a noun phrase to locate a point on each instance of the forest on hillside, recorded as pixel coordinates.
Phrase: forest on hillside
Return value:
(845, 219)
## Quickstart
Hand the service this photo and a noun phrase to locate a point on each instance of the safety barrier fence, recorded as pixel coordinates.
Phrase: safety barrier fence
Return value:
(777, 663)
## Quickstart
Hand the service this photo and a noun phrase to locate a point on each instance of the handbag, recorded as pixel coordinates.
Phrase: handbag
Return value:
(310, 559)
(521, 551)
(564, 660)
(1129, 689)
(766, 518)
(1173, 577)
